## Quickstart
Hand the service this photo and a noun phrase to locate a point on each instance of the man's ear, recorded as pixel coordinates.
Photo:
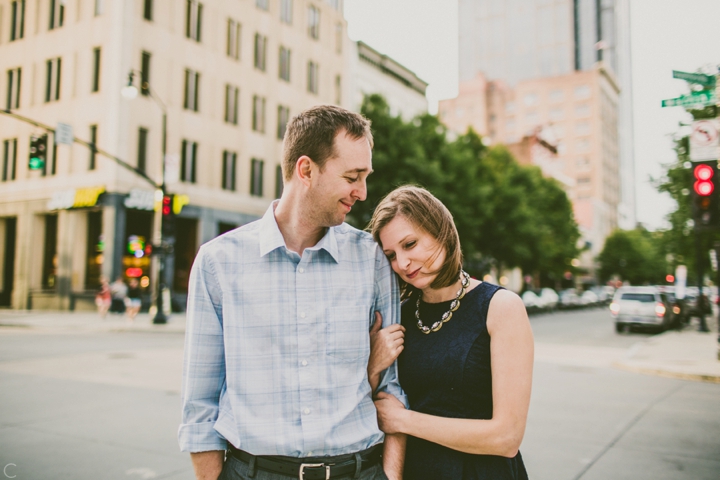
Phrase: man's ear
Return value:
(304, 169)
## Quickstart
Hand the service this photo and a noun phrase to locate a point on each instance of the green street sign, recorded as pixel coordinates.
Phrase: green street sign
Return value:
(702, 98)
(699, 78)
(36, 163)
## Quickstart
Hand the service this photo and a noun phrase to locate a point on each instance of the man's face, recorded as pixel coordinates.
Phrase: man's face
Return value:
(342, 182)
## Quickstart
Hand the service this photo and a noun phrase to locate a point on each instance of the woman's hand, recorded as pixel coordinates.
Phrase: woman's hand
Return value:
(390, 412)
(385, 346)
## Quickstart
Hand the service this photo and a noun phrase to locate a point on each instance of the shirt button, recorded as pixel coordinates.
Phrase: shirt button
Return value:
(303, 363)
(301, 270)
(302, 315)
(306, 411)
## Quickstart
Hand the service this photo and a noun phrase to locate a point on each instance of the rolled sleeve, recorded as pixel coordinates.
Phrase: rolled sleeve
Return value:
(387, 302)
(204, 361)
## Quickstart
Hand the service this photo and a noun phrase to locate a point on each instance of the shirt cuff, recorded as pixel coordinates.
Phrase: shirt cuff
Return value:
(200, 437)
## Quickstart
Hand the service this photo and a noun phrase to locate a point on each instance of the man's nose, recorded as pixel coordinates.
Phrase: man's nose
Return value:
(360, 192)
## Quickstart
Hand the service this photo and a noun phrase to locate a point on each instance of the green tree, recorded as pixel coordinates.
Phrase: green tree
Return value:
(505, 213)
(634, 255)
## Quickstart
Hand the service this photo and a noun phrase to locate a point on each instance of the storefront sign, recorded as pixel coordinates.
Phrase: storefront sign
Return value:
(75, 198)
(140, 199)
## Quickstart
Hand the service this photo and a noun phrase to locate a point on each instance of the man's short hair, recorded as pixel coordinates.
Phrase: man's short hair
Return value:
(313, 131)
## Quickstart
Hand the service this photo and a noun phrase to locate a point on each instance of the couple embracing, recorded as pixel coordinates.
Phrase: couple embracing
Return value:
(295, 326)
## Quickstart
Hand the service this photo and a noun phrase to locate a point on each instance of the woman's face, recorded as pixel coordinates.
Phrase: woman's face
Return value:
(410, 251)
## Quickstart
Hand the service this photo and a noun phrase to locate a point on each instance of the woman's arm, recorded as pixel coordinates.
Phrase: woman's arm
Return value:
(511, 353)
(385, 346)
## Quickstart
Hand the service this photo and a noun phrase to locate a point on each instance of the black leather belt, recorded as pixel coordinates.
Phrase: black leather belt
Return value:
(312, 468)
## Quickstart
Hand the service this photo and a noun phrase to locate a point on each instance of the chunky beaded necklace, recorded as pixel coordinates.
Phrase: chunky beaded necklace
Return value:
(454, 305)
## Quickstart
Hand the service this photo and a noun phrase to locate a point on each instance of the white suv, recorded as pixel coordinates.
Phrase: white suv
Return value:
(641, 306)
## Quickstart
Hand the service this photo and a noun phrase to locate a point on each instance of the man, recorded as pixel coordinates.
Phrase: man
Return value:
(278, 320)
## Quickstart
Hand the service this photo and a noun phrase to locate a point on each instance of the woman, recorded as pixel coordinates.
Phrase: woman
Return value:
(133, 299)
(103, 297)
(467, 350)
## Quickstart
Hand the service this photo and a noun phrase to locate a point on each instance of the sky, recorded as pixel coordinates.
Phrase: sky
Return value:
(666, 35)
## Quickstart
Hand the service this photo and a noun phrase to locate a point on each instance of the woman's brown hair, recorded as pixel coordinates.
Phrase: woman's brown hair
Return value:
(424, 211)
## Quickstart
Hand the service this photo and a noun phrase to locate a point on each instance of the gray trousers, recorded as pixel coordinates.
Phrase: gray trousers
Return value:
(235, 469)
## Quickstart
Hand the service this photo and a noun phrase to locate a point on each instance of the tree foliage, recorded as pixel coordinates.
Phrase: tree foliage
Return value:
(506, 214)
(636, 256)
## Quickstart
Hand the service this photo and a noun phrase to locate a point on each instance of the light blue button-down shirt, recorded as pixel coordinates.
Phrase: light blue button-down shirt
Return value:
(277, 344)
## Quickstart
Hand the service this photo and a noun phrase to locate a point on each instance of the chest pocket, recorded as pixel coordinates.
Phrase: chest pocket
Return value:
(348, 333)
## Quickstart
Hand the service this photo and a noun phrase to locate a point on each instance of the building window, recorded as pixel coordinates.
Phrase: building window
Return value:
(17, 20)
(256, 177)
(14, 77)
(93, 147)
(258, 120)
(260, 51)
(9, 165)
(582, 110)
(338, 90)
(582, 145)
(142, 149)
(188, 159)
(312, 77)
(530, 99)
(193, 20)
(192, 88)
(334, 4)
(285, 63)
(283, 119)
(582, 128)
(557, 96)
(99, 7)
(96, 70)
(582, 92)
(286, 11)
(338, 37)
(262, 4)
(557, 114)
(145, 74)
(57, 14)
(279, 185)
(228, 173)
(148, 10)
(314, 22)
(233, 39)
(52, 79)
(49, 271)
(232, 99)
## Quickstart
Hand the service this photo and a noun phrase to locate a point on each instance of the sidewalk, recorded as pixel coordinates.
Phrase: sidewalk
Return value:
(38, 320)
(686, 354)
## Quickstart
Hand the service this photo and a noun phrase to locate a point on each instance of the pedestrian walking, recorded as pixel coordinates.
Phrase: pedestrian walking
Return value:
(275, 381)
(133, 300)
(103, 297)
(466, 351)
(119, 291)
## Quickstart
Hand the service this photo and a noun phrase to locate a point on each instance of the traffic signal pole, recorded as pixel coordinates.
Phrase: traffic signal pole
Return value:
(165, 245)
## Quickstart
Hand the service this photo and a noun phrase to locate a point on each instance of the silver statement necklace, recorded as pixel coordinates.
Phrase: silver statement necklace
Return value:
(454, 305)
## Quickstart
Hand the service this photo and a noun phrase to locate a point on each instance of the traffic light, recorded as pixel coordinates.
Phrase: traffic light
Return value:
(38, 152)
(168, 216)
(706, 188)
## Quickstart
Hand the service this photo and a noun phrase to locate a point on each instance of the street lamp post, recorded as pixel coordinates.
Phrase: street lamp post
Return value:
(130, 92)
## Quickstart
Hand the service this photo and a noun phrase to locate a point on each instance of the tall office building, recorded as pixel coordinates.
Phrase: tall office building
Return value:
(228, 74)
(557, 71)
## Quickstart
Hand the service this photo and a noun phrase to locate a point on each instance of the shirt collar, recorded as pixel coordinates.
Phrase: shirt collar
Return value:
(270, 237)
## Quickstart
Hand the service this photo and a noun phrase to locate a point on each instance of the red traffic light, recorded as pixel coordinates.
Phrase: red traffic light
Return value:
(167, 205)
(704, 185)
(134, 272)
(669, 278)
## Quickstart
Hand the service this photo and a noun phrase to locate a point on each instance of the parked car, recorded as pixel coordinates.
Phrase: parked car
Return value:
(569, 299)
(548, 299)
(642, 307)
(531, 301)
(604, 293)
(589, 298)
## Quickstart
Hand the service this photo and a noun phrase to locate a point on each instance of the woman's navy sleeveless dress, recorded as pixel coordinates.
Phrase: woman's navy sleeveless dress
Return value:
(447, 373)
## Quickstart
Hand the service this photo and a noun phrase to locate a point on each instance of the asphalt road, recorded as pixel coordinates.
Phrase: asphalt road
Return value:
(98, 405)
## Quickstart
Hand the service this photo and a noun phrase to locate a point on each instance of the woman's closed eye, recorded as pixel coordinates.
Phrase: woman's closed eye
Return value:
(410, 244)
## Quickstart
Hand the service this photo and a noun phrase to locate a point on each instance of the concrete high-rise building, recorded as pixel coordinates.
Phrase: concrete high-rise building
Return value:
(555, 73)
(230, 75)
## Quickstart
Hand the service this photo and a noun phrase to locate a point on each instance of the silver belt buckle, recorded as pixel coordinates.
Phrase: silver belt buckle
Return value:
(301, 475)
